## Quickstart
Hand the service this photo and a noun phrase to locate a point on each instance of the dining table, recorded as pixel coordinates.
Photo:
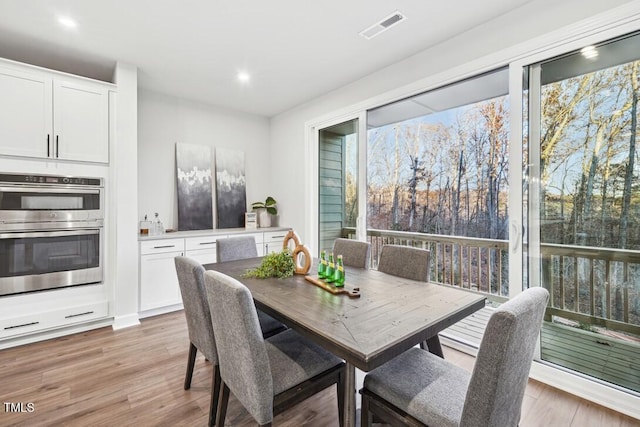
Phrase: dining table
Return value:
(384, 316)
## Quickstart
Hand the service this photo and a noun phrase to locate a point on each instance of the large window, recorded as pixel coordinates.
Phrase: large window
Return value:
(437, 164)
(584, 207)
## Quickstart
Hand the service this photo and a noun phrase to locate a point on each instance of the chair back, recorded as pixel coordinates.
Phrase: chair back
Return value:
(501, 370)
(244, 363)
(235, 248)
(196, 306)
(354, 252)
(405, 261)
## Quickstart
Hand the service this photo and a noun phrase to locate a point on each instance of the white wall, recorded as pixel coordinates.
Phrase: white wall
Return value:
(485, 45)
(164, 121)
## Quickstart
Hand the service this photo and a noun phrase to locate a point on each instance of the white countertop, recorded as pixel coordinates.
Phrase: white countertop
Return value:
(212, 232)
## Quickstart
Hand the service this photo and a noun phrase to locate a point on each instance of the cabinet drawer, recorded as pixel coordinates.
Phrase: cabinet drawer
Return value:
(275, 236)
(53, 319)
(257, 236)
(161, 246)
(203, 242)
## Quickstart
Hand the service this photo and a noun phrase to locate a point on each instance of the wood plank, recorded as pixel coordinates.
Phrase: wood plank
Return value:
(600, 356)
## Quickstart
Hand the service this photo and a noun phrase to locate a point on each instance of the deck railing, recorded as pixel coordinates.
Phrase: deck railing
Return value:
(479, 265)
(593, 286)
(590, 286)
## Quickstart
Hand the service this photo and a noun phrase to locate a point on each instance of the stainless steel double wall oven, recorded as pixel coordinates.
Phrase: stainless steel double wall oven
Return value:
(51, 232)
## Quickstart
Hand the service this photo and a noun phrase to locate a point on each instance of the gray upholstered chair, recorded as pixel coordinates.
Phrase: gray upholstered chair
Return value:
(418, 388)
(234, 248)
(242, 247)
(354, 252)
(196, 310)
(409, 263)
(268, 375)
(405, 261)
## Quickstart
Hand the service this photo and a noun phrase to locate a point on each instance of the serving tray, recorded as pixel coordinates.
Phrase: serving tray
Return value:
(355, 293)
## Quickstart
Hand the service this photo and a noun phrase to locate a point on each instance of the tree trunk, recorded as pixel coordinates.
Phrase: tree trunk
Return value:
(628, 178)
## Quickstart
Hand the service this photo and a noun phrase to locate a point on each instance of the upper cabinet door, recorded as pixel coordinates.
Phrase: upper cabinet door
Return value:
(81, 121)
(25, 114)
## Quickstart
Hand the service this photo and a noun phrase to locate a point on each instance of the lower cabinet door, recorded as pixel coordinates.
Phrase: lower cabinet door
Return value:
(159, 281)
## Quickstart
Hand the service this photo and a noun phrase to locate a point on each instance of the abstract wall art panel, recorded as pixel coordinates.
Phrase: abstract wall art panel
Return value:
(195, 201)
(231, 197)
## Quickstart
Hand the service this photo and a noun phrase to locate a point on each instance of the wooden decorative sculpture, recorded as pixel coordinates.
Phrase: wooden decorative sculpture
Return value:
(297, 250)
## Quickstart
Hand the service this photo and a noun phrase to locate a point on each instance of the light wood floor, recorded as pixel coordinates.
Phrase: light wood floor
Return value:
(134, 376)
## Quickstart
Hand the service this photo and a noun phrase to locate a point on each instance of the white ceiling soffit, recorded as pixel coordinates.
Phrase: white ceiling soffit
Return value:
(466, 92)
(383, 25)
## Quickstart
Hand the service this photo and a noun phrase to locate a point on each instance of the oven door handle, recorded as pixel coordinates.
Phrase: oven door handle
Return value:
(19, 189)
(61, 233)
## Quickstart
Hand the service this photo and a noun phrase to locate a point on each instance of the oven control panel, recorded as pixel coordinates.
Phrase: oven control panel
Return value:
(50, 179)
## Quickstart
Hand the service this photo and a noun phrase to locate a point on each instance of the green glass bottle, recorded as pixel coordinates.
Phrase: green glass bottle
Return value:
(331, 268)
(322, 265)
(338, 275)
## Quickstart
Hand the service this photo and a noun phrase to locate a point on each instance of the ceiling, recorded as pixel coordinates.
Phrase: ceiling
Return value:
(294, 50)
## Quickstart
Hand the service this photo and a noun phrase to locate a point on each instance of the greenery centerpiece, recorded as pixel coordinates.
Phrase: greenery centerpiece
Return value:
(266, 210)
(275, 264)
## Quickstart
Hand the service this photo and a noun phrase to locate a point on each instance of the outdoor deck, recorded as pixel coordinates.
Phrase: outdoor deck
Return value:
(606, 358)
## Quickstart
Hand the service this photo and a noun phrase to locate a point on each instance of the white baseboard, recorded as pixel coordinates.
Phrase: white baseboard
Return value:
(161, 310)
(126, 321)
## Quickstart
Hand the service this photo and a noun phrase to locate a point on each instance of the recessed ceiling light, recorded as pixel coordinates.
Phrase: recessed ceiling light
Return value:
(243, 77)
(589, 52)
(65, 21)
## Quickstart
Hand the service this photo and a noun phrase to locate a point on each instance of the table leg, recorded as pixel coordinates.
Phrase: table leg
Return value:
(434, 346)
(349, 395)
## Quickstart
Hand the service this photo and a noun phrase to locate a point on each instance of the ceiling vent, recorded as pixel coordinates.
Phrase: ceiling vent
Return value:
(383, 25)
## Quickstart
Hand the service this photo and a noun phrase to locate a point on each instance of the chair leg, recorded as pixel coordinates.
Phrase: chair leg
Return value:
(215, 395)
(340, 393)
(222, 404)
(424, 346)
(190, 363)
(366, 417)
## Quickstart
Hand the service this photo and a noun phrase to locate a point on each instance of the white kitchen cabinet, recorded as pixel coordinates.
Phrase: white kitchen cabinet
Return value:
(202, 249)
(26, 118)
(80, 121)
(46, 116)
(273, 241)
(159, 288)
(158, 279)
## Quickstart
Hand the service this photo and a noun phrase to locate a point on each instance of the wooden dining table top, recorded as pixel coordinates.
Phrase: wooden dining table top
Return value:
(391, 315)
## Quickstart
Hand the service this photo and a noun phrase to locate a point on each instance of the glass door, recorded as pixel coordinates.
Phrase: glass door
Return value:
(584, 210)
(337, 183)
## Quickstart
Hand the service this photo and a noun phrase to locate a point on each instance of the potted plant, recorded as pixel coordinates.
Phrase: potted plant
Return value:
(266, 210)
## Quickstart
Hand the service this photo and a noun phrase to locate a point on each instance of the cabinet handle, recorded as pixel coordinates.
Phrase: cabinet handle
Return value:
(57, 154)
(208, 243)
(20, 326)
(48, 146)
(277, 237)
(79, 314)
(165, 246)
